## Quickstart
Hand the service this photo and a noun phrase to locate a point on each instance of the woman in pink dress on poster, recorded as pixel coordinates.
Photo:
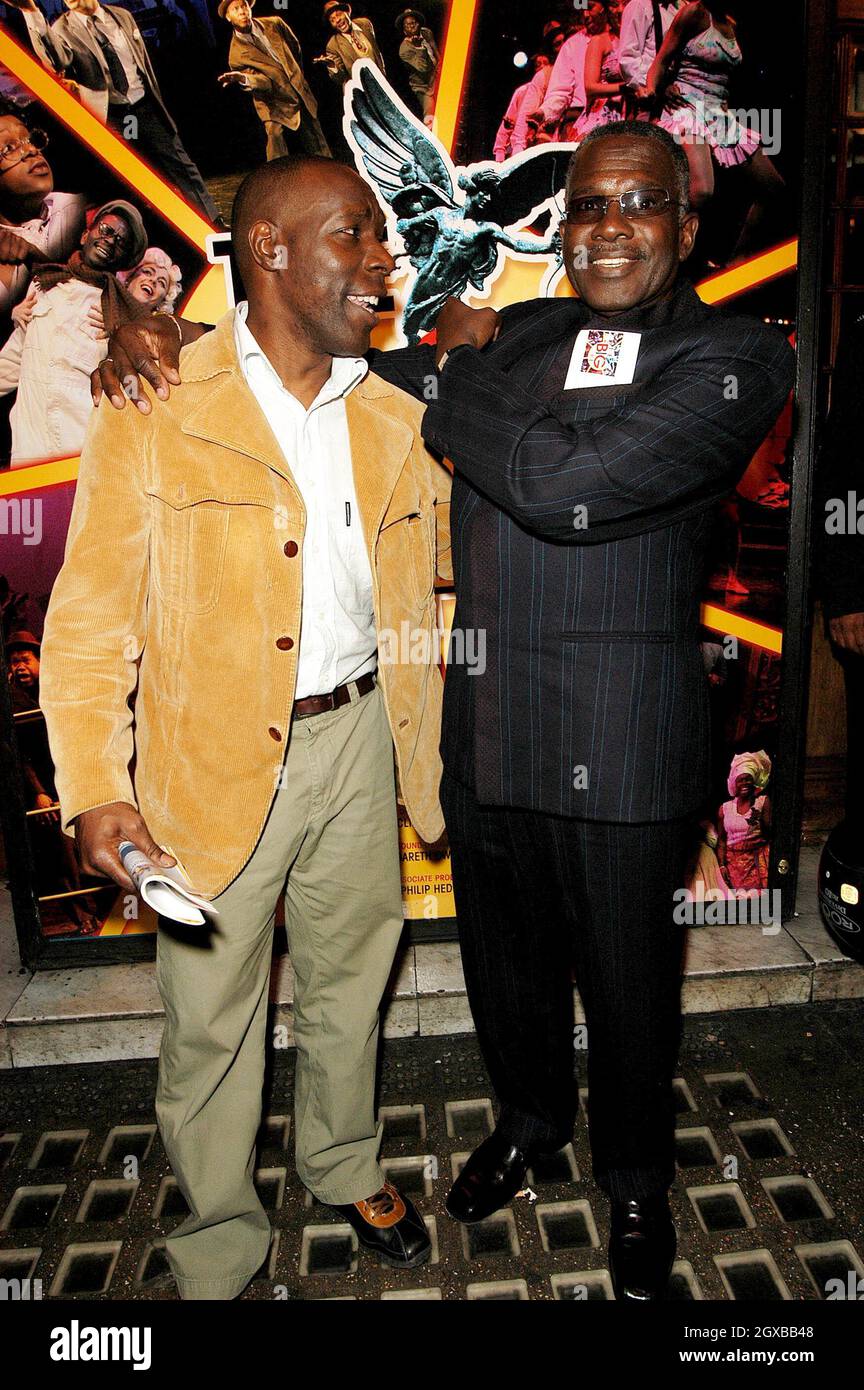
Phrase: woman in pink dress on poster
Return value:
(691, 76)
(744, 824)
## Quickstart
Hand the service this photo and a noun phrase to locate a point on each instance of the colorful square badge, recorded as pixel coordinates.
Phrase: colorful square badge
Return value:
(602, 357)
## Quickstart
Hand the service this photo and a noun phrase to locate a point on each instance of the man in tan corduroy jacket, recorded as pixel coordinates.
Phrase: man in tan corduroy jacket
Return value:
(275, 521)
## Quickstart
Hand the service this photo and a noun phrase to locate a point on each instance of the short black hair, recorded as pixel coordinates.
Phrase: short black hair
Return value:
(280, 175)
(275, 179)
(642, 130)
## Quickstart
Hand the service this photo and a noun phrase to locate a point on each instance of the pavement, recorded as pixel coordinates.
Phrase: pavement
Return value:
(768, 1200)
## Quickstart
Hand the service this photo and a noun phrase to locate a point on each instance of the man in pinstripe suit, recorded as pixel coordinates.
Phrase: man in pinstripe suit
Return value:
(580, 516)
(590, 438)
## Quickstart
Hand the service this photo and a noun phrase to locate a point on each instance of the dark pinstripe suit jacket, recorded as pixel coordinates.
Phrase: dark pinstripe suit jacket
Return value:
(593, 702)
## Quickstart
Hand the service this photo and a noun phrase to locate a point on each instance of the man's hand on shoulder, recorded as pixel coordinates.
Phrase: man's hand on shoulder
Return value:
(459, 324)
(148, 348)
(99, 832)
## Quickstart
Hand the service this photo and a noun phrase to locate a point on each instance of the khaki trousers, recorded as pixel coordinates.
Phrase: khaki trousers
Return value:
(332, 830)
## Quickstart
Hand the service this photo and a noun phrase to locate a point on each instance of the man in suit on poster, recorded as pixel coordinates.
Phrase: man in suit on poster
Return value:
(265, 60)
(591, 438)
(100, 48)
(350, 40)
(642, 23)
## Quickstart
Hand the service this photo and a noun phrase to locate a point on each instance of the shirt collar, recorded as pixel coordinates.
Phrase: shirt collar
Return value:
(88, 21)
(43, 215)
(345, 372)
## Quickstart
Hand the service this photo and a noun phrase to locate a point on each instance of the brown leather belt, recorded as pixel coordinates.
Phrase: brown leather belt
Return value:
(319, 704)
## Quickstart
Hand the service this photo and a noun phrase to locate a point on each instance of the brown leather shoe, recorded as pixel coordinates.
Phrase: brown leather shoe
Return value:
(391, 1227)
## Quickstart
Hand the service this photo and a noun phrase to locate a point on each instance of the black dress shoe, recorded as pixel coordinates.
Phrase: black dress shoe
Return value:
(492, 1176)
(391, 1227)
(641, 1249)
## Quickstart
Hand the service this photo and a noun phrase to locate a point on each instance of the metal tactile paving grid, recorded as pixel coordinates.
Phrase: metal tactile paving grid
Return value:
(763, 1210)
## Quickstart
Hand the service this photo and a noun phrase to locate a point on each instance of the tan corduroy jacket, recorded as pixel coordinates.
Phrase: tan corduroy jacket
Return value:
(162, 682)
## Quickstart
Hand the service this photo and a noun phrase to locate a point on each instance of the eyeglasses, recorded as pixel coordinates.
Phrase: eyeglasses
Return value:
(35, 140)
(113, 234)
(590, 208)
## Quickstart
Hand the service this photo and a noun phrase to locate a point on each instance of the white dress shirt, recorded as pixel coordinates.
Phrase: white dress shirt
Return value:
(636, 48)
(338, 639)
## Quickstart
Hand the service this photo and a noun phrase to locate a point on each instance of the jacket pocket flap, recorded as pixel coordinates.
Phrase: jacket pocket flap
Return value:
(404, 504)
(182, 494)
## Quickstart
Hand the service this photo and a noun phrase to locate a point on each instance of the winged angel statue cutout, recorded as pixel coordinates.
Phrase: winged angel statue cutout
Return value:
(453, 222)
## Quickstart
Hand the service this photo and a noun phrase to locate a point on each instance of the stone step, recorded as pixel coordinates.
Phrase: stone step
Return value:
(105, 1013)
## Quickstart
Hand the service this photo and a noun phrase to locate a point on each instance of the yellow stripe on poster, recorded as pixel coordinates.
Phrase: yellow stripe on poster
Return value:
(38, 475)
(754, 272)
(454, 69)
(770, 639)
(103, 142)
(115, 924)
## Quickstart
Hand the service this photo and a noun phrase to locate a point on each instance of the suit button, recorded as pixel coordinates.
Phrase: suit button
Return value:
(284, 643)
(290, 548)
(275, 734)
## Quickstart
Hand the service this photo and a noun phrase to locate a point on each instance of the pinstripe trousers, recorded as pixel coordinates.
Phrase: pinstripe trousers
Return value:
(540, 897)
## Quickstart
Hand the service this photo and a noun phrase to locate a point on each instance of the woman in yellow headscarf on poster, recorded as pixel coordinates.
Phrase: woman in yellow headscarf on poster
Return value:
(744, 823)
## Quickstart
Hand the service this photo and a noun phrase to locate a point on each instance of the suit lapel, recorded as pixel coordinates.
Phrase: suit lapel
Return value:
(259, 58)
(78, 31)
(284, 55)
(380, 444)
(141, 56)
(231, 417)
(229, 414)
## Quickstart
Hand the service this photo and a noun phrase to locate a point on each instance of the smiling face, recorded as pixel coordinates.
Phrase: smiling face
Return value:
(149, 284)
(27, 179)
(616, 264)
(745, 787)
(324, 259)
(340, 20)
(105, 246)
